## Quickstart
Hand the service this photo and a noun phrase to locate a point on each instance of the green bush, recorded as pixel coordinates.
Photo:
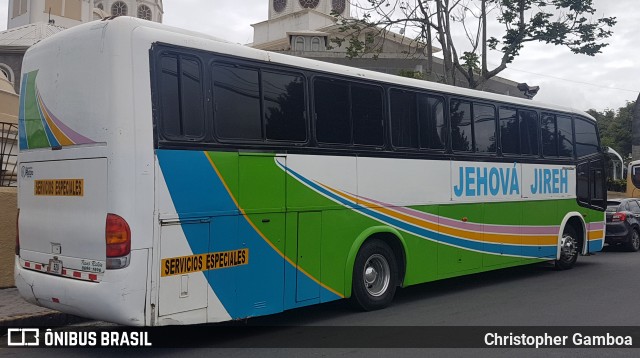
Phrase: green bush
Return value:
(619, 185)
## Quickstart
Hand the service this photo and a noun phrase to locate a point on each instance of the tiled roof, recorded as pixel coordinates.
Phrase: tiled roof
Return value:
(28, 35)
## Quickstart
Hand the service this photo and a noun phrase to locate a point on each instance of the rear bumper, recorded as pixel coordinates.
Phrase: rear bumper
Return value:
(617, 233)
(120, 297)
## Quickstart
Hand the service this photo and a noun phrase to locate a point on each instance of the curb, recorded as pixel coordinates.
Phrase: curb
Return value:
(41, 320)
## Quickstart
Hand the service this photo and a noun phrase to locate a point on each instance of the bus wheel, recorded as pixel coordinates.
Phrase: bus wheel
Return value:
(568, 249)
(375, 276)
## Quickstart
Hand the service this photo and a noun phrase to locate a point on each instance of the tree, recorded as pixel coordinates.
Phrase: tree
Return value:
(615, 127)
(559, 22)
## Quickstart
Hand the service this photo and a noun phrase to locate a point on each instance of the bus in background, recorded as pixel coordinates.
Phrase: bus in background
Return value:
(172, 178)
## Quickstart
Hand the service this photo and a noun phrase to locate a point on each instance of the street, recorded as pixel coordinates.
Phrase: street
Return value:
(601, 290)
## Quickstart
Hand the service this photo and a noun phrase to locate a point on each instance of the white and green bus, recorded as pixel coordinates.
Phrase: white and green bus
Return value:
(166, 177)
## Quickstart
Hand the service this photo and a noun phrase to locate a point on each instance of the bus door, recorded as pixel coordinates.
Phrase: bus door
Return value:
(261, 230)
(592, 194)
(590, 189)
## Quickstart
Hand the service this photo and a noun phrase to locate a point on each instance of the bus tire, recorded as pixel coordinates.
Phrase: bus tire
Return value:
(569, 249)
(375, 276)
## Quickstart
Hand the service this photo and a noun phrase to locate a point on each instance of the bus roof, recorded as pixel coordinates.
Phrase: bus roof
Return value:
(215, 44)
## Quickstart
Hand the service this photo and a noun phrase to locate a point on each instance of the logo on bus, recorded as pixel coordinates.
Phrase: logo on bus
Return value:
(488, 181)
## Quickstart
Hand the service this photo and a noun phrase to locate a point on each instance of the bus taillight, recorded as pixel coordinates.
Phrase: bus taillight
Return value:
(18, 234)
(118, 238)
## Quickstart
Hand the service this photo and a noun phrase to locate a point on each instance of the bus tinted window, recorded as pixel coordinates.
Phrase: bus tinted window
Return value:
(461, 138)
(549, 138)
(332, 111)
(509, 131)
(586, 137)
(284, 106)
(432, 128)
(181, 97)
(240, 87)
(484, 128)
(366, 113)
(528, 132)
(170, 97)
(192, 98)
(437, 118)
(565, 136)
(404, 124)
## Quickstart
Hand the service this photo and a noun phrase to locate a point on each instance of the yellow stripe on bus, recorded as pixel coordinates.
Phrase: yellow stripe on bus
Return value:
(464, 234)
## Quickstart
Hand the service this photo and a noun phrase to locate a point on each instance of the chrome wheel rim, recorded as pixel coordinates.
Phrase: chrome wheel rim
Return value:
(568, 248)
(376, 275)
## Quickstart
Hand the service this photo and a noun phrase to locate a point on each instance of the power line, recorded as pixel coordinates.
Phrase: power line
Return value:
(574, 81)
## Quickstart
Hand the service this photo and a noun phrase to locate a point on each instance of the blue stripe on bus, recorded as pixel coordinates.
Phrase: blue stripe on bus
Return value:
(249, 290)
(53, 141)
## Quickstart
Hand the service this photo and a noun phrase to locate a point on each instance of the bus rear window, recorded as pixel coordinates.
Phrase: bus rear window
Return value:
(181, 97)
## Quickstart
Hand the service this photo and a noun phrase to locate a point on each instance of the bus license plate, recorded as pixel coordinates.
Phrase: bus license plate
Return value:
(55, 267)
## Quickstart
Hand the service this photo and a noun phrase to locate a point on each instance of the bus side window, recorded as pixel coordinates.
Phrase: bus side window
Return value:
(181, 97)
(549, 136)
(461, 137)
(284, 106)
(367, 114)
(484, 128)
(565, 136)
(586, 137)
(236, 95)
(528, 132)
(331, 99)
(432, 126)
(509, 131)
(404, 119)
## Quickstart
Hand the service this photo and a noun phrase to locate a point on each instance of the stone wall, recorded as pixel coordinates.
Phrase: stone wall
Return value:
(8, 212)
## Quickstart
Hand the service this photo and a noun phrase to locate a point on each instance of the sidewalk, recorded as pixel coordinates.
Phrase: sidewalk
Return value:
(16, 312)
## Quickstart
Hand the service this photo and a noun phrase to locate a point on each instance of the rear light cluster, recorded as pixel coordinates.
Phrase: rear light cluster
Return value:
(618, 217)
(118, 239)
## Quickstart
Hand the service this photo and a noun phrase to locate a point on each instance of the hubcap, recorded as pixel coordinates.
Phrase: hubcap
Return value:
(568, 248)
(376, 275)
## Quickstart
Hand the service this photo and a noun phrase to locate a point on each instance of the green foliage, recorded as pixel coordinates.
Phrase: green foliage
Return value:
(570, 23)
(619, 185)
(558, 22)
(615, 127)
(411, 74)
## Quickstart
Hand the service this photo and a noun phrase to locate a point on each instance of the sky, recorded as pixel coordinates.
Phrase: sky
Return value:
(606, 81)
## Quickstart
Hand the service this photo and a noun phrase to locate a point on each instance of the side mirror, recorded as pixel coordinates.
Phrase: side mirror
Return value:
(635, 175)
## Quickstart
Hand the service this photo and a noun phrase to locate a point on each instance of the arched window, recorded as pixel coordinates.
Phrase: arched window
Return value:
(119, 9)
(309, 4)
(338, 6)
(299, 44)
(315, 44)
(144, 12)
(100, 6)
(7, 72)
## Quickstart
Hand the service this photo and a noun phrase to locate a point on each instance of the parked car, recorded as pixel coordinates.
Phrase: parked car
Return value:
(623, 223)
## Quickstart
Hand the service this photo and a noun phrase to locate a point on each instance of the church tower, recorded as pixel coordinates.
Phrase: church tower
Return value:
(69, 13)
(65, 13)
(278, 8)
(151, 10)
(289, 19)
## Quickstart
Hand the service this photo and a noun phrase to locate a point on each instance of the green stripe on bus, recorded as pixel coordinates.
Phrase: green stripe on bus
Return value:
(36, 136)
